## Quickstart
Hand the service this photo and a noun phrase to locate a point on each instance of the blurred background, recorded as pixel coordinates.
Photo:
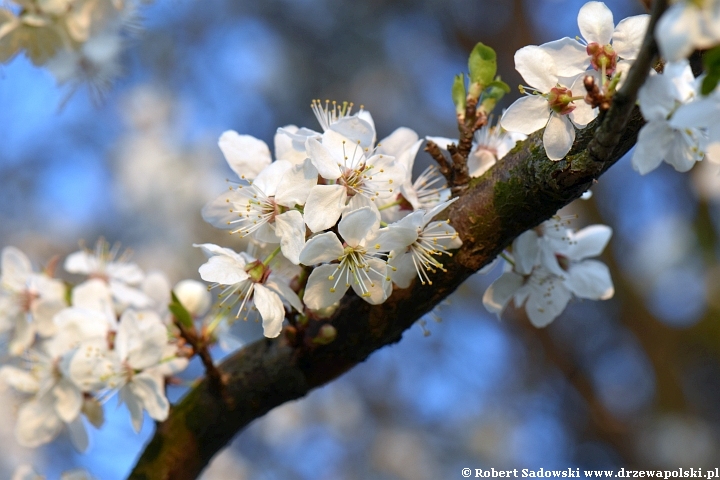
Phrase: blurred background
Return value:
(631, 382)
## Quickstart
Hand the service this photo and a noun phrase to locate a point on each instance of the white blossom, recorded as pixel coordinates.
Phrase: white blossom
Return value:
(663, 137)
(354, 178)
(359, 256)
(432, 239)
(688, 25)
(28, 300)
(122, 276)
(551, 105)
(249, 282)
(549, 265)
(606, 48)
(141, 344)
(265, 207)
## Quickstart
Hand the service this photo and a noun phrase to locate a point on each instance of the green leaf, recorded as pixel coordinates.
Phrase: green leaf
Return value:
(498, 84)
(458, 93)
(493, 93)
(711, 62)
(180, 312)
(482, 65)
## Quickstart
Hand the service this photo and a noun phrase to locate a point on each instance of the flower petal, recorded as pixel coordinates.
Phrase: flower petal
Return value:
(546, 302)
(588, 242)
(570, 56)
(321, 248)
(499, 293)
(68, 400)
(402, 269)
(78, 435)
(358, 225)
(324, 161)
(296, 184)
(37, 422)
(391, 238)
(290, 227)
(677, 31)
(374, 282)
(657, 97)
(324, 206)
(596, 23)
(269, 178)
(15, 269)
(282, 289)
(558, 137)
(355, 129)
(590, 279)
(526, 115)
(526, 252)
(321, 292)
(628, 36)
(223, 270)
(653, 142)
(537, 68)
(246, 155)
(19, 379)
(271, 310)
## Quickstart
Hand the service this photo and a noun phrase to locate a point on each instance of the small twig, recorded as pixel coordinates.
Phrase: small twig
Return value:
(461, 174)
(437, 155)
(200, 348)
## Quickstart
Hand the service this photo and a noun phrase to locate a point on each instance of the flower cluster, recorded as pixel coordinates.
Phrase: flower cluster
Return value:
(333, 200)
(547, 266)
(73, 348)
(78, 40)
(554, 70)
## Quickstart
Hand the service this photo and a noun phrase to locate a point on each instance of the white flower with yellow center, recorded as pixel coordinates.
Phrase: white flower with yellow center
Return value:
(354, 177)
(551, 105)
(359, 260)
(248, 282)
(265, 207)
(432, 239)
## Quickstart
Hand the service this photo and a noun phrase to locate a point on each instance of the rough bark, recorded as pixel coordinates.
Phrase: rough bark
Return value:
(518, 193)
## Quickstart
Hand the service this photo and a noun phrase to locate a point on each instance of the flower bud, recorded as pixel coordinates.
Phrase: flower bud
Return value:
(326, 335)
(194, 296)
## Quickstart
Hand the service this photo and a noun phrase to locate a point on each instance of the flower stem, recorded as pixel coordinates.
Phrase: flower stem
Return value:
(270, 257)
(507, 259)
(390, 205)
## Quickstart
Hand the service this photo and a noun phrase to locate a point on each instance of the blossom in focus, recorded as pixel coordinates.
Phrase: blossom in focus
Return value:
(354, 178)
(550, 104)
(359, 256)
(249, 282)
(432, 239)
(264, 206)
(606, 48)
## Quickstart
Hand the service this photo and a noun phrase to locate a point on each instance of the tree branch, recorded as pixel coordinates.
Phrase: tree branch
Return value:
(518, 193)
